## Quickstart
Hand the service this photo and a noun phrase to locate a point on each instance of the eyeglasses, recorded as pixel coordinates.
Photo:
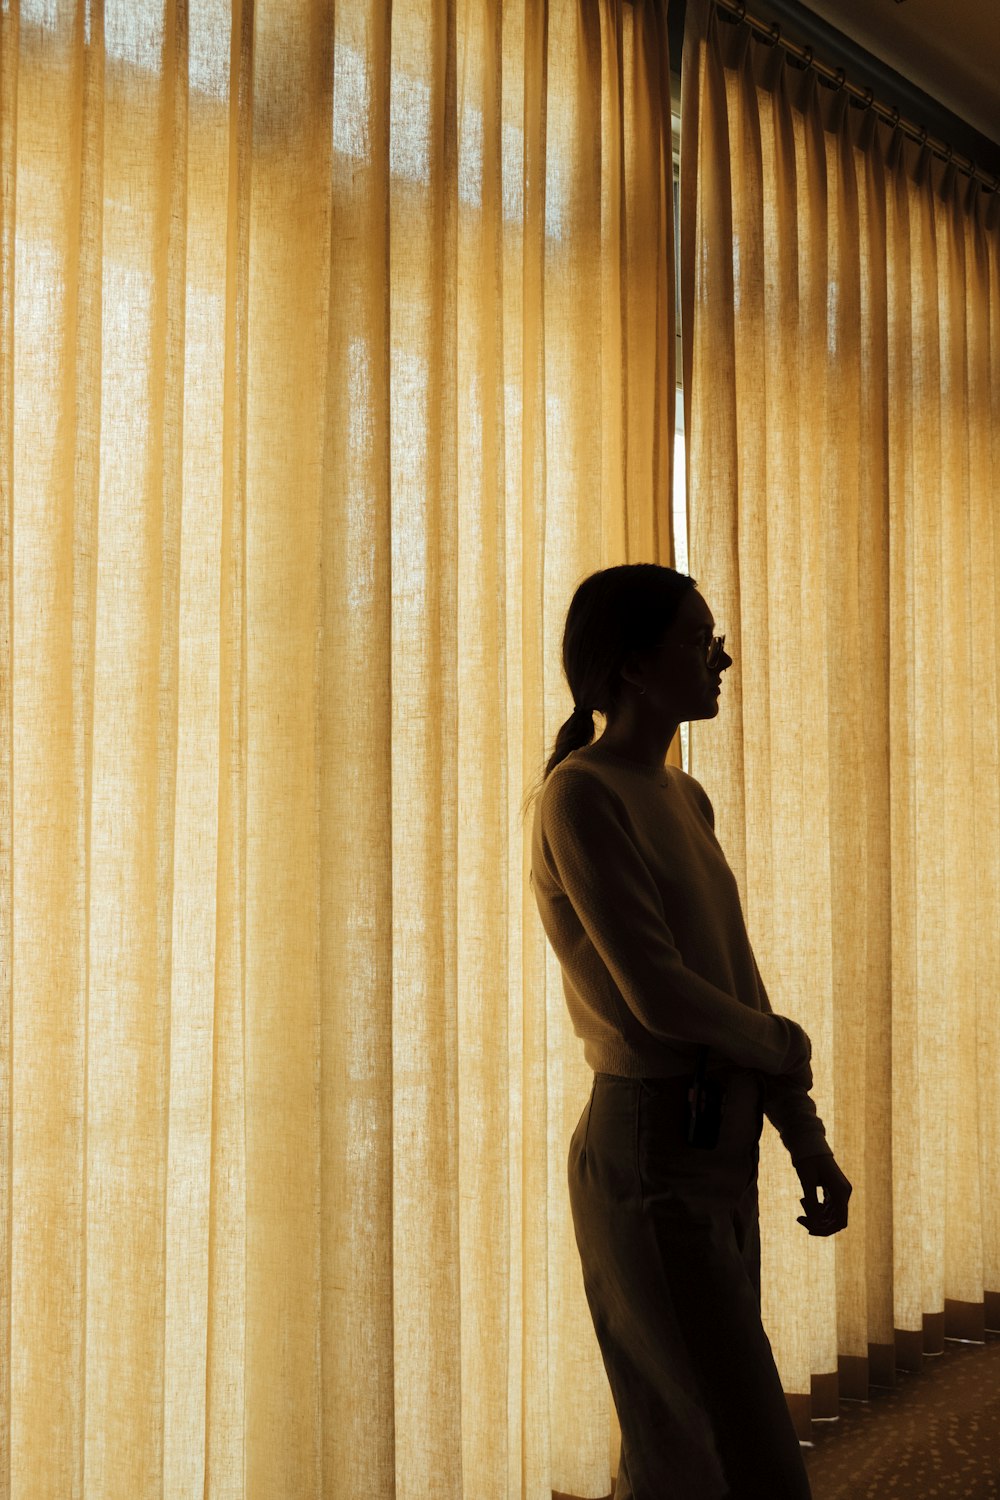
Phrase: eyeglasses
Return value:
(715, 651)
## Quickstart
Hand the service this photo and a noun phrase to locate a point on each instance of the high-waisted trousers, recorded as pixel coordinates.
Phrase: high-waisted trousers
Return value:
(669, 1243)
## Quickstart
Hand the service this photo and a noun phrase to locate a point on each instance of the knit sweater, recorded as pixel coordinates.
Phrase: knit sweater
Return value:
(643, 913)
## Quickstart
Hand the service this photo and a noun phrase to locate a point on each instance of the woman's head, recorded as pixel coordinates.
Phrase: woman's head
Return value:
(636, 641)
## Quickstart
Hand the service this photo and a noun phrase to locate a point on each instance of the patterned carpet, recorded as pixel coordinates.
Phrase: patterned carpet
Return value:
(936, 1436)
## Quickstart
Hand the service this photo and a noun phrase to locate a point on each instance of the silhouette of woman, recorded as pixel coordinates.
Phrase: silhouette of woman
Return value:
(643, 913)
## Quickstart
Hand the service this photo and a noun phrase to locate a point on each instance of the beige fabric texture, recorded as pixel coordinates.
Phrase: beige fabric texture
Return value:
(841, 314)
(336, 347)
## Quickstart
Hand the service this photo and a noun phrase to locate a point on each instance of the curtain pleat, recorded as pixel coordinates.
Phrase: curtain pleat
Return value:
(336, 347)
(840, 311)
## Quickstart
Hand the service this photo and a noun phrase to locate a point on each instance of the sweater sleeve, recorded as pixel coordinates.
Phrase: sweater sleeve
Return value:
(616, 900)
(790, 1108)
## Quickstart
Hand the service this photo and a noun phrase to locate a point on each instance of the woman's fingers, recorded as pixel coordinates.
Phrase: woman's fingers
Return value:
(825, 1218)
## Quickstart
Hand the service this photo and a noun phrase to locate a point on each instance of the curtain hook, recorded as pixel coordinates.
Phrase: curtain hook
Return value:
(841, 78)
(809, 58)
(775, 36)
(870, 99)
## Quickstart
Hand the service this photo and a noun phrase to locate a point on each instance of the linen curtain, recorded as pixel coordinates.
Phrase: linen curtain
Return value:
(841, 322)
(336, 347)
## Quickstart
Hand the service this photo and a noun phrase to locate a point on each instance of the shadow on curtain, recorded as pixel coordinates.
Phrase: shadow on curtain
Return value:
(841, 306)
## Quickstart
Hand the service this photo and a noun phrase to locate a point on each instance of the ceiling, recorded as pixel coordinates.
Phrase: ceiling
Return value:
(948, 48)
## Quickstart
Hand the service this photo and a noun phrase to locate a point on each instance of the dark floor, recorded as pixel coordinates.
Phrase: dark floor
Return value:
(936, 1436)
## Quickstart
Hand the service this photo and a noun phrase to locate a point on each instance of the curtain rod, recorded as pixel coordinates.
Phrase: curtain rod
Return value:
(735, 11)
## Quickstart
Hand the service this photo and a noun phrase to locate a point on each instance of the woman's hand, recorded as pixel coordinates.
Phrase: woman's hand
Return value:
(830, 1216)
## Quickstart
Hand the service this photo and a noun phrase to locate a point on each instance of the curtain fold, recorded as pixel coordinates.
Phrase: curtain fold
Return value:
(839, 297)
(336, 347)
